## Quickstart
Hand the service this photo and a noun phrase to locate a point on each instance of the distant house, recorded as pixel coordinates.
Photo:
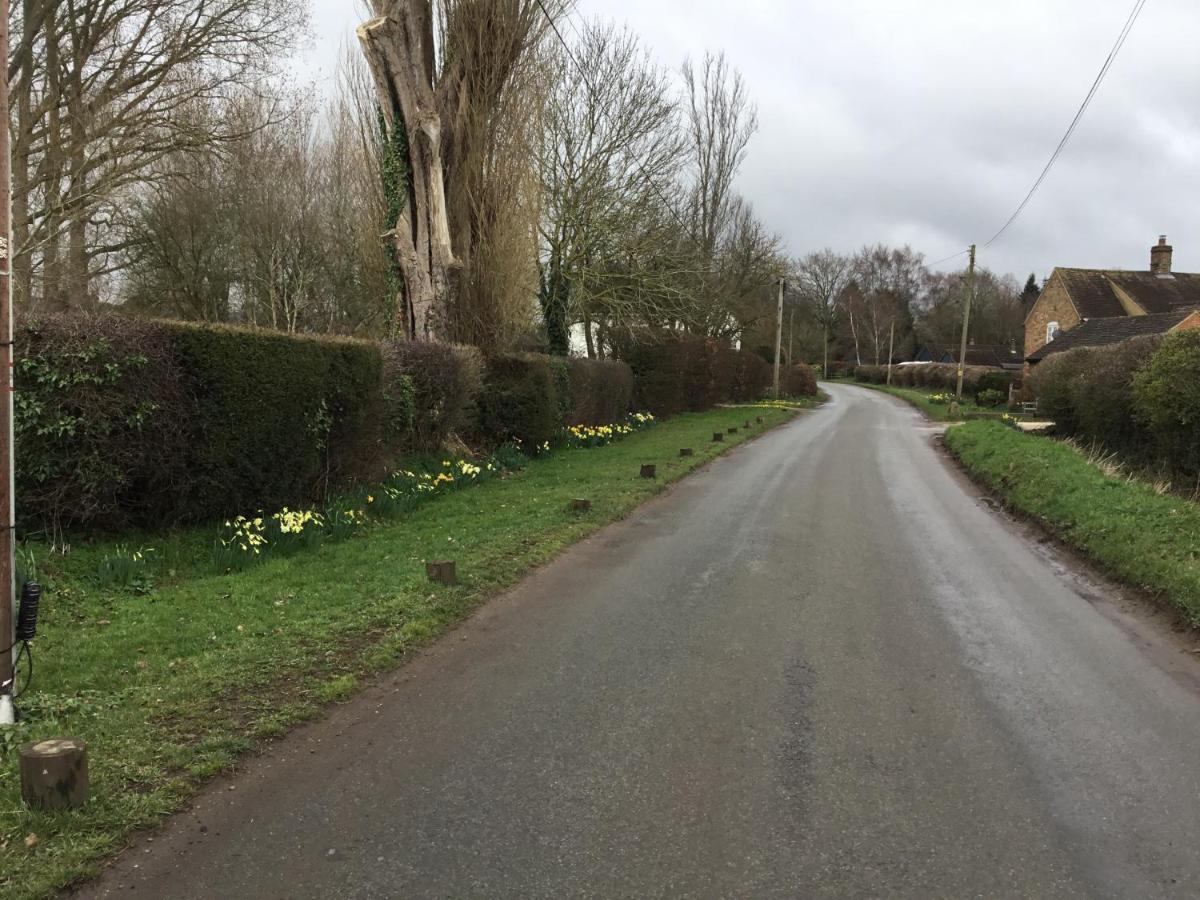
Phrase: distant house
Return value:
(1097, 307)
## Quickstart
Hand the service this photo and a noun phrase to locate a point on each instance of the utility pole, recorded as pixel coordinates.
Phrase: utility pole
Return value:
(969, 292)
(779, 334)
(791, 334)
(891, 350)
(7, 502)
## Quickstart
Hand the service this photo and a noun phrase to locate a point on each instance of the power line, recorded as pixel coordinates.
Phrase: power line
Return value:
(1112, 55)
(948, 258)
(588, 84)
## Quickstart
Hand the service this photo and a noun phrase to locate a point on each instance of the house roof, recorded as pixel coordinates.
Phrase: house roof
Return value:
(1094, 291)
(1110, 330)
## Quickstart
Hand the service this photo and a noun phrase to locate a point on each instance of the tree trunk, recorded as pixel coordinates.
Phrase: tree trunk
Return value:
(587, 336)
(22, 263)
(399, 51)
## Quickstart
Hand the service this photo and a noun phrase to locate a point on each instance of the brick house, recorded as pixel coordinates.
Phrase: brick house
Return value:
(1094, 307)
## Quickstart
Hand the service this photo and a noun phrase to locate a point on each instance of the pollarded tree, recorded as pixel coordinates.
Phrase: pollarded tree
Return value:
(453, 79)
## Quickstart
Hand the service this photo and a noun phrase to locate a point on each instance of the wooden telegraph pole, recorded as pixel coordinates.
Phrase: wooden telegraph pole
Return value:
(7, 503)
(779, 334)
(891, 350)
(969, 292)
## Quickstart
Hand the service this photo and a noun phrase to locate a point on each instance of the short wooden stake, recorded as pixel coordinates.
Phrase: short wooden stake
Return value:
(758, 420)
(649, 470)
(687, 451)
(718, 437)
(443, 572)
(54, 774)
(580, 505)
(733, 430)
(746, 425)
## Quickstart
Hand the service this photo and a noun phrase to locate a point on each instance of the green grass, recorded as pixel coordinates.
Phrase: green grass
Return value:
(1147, 539)
(939, 412)
(171, 681)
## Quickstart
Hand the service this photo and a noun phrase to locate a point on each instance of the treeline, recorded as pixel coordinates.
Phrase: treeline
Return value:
(164, 166)
(850, 309)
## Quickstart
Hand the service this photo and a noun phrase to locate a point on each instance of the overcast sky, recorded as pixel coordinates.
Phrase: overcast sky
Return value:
(926, 121)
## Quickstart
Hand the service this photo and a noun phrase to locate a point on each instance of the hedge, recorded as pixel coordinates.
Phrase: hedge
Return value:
(799, 381)
(125, 422)
(675, 372)
(939, 376)
(1139, 398)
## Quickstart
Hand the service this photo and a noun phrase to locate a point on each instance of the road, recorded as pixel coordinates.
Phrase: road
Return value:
(822, 667)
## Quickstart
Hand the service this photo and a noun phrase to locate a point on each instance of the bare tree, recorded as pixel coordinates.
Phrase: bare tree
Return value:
(611, 149)
(103, 91)
(821, 278)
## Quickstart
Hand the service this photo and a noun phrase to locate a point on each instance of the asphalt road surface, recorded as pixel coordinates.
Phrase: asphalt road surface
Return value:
(822, 667)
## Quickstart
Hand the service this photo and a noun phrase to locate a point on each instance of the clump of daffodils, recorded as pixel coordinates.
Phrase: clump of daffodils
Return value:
(247, 535)
(295, 521)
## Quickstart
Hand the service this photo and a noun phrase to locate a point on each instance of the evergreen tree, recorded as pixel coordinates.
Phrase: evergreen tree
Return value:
(1030, 293)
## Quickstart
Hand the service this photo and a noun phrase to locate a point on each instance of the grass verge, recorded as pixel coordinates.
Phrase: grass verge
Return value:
(170, 684)
(939, 412)
(1145, 538)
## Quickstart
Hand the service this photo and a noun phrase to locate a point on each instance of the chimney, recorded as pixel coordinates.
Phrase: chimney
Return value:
(1160, 257)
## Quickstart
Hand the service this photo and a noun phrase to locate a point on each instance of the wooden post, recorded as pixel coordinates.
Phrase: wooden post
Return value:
(733, 430)
(968, 293)
(718, 437)
(580, 505)
(54, 774)
(649, 470)
(443, 572)
(758, 419)
(8, 590)
(687, 451)
(746, 424)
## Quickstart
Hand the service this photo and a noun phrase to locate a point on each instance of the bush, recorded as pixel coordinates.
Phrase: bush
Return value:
(1167, 393)
(800, 381)
(751, 376)
(521, 400)
(991, 397)
(600, 391)
(674, 372)
(429, 391)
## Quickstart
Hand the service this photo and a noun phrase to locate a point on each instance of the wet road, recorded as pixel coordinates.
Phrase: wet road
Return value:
(820, 668)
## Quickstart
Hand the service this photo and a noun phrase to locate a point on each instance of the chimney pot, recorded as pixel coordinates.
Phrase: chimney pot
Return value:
(1160, 257)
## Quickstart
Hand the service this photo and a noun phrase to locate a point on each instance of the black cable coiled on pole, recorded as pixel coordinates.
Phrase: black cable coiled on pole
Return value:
(27, 612)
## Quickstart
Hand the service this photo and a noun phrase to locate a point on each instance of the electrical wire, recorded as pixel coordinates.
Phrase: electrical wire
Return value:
(583, 73)
(948, 258)
(1112, 55)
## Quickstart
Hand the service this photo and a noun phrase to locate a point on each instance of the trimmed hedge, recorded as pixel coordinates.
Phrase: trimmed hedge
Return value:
(521, 399)
(601, 391)
(675, 372)
(1140, 398)
(430, 392)
(938, 376)
(125, 422)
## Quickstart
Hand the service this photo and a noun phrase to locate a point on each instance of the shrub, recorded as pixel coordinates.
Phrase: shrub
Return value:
(751, 376)
(1104, 409)
(1167, 392)
(520, 400)
(1052, 381)
(429, 392)
(600, 391)
(800, 381)
(991, 397)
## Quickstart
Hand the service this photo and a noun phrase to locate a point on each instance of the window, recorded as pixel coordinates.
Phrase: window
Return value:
(1052, 331)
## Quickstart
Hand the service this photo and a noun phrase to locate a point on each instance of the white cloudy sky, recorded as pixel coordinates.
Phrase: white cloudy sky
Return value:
(926, 121)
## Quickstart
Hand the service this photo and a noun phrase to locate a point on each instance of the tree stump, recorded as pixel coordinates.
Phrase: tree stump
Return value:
(687, 451)
(443, 572)
(649, 470)
(718, 437)
(54, 774)
(580, 505)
